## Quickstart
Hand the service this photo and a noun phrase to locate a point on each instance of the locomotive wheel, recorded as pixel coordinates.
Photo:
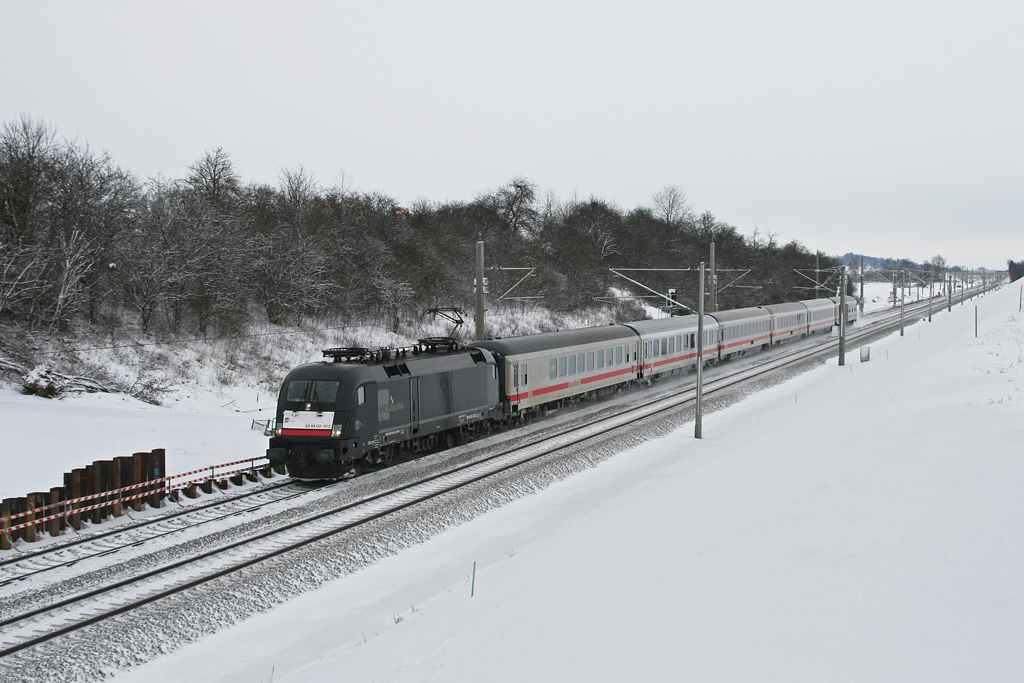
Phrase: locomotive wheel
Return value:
(389, 455)
(449, 440)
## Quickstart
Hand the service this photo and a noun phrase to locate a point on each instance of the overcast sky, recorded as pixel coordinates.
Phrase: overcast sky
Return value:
(885, 128)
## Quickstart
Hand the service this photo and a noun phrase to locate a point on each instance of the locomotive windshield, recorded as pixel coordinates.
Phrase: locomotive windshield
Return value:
(318, 395)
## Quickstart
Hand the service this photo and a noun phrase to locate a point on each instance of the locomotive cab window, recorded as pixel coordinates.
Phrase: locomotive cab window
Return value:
(317, 395)
(360, 396)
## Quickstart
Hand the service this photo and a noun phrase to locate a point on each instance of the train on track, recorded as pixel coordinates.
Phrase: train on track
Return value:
(360, 408)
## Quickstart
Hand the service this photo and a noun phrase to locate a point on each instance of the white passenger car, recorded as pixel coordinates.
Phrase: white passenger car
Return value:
(742, 330)
(669, 345)
(541, 368)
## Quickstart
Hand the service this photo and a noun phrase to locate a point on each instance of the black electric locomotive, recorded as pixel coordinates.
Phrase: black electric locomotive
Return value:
(362, 407)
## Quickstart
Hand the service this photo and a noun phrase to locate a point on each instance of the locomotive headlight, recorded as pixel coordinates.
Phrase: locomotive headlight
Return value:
(336, 431)
(279, 431)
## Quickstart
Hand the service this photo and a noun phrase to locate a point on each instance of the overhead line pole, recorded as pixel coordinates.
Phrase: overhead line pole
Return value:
(842, 318)
(698, 431)
(903, 301)
(714, 279)
(862, 285)
(481, 330)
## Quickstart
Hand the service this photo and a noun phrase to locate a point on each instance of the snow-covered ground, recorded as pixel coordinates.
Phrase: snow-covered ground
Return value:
(856, 523)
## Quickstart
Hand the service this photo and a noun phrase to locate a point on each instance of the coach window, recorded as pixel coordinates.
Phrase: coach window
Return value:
(600, 358)
(590, 360)
(664, 346)
(360, 395)
(553, 373)
(524, 374)
(611, 356)
(618, 354)
(572, 364)
(561, 366)
(580, 362)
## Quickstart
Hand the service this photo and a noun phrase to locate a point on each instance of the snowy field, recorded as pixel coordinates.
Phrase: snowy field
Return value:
(856, 523)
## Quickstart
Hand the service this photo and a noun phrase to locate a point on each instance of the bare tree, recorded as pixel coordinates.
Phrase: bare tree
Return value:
(298, 187)
(672, 206)
(213, 178)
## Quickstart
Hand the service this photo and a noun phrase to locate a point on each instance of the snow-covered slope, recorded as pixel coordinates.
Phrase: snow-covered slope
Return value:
(856, 523)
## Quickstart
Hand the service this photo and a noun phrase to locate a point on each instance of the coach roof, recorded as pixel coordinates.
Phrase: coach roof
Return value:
(550, 341)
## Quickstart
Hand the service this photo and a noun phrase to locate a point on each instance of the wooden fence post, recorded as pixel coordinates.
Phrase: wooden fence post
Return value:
(5, 512)
(138, 475)
(157, 469)
(56, 507)
(76, 491)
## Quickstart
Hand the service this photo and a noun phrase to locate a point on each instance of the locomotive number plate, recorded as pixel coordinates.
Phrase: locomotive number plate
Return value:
(307, 419)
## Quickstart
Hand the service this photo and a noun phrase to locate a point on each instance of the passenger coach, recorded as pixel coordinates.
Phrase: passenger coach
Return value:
(669, 345)
(551, 366)
(742, 331)
(789, 322)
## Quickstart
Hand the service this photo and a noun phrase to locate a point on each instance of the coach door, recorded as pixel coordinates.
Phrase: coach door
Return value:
(414, 405)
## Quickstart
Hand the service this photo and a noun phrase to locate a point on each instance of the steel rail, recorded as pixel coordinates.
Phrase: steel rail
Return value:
(76, 543)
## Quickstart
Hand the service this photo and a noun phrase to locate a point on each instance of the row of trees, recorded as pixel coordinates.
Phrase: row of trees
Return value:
(82, 240)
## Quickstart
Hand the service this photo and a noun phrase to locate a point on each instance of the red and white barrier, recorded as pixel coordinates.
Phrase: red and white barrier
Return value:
(116, 496)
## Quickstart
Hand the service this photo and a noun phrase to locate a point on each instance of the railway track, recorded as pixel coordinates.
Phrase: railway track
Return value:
(30, 628)
(101, 543)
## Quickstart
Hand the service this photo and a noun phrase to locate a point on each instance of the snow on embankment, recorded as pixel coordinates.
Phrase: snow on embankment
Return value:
(856, 523)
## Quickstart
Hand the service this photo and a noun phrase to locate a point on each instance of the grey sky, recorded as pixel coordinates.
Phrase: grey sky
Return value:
(886, 128)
